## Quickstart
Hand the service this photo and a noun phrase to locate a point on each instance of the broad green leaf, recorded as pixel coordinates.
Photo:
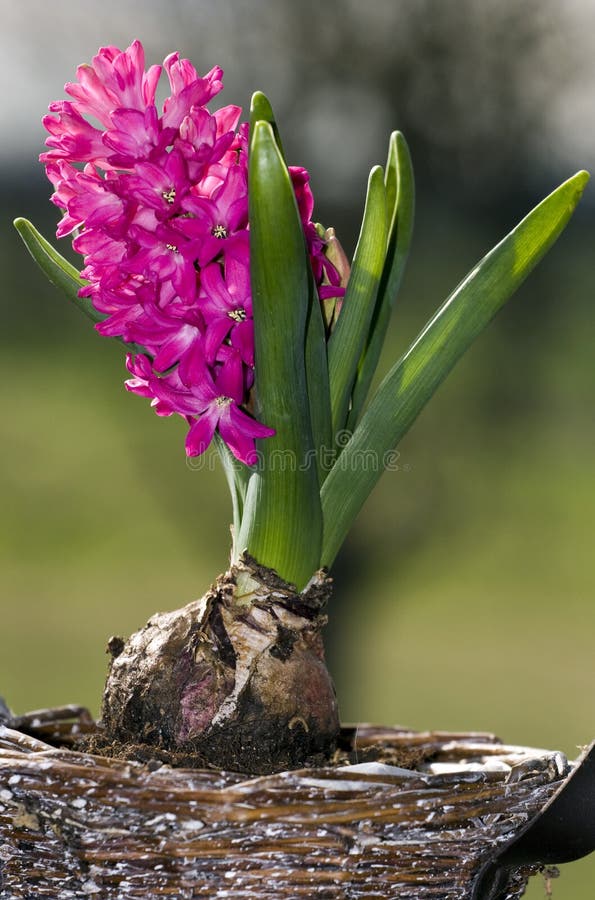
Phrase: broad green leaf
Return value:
(282, 519)
(348, 338)
(59, 271)
(400, 194)
(316, 357)
(414, 378)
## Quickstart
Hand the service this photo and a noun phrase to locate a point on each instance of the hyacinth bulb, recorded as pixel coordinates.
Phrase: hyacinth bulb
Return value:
(236, 679)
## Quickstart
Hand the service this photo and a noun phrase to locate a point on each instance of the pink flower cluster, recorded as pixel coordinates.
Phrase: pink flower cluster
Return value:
(159, 207)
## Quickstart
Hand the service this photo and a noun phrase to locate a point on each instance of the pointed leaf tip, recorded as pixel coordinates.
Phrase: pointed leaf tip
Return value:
(579, 182)
(58, 270)
(61, 273)
(575, 185)
(582, 179)
(261, 105)
(261, 112)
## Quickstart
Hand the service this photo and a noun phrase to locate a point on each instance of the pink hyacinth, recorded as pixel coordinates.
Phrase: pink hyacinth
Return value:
(158, 204)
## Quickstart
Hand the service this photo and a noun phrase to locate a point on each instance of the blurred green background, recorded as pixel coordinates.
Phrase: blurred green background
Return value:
(464, 595)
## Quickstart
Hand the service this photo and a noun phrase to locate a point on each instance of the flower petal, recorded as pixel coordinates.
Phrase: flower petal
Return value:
(238, 431)
(201, 433)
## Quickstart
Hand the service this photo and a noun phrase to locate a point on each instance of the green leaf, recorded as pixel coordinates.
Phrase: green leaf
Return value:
(59, 271)
(414, 378)
(317, 382)
(391, 177)
(237, 475)
(400, 194)
(282, 519)
(347, 339)
(262, 111)
(316, 356)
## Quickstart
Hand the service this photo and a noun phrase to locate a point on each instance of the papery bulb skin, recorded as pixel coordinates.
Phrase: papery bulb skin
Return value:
(236, 680)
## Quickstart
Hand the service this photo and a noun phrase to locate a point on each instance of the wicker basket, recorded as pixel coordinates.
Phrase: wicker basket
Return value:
(73, 825)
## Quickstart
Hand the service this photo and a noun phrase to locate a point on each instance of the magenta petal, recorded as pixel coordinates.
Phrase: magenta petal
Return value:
(303, 192)
(237, 247)
(237, 278)
(210, 249)
(238, 431)
(214, 287)
(182, 402)
(230, 377)
(135, 132)
(241, 445)
(233, 192)
(242, 337)
(201, 433)
(184, 276)
(193, 372)
(150, 82)
(250, 426)
(173, 348)
(326, 291)
(217, 331)
(227, 118)
(118, 323)
(237, 215)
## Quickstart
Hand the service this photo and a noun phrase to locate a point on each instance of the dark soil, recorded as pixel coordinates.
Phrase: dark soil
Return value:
(346, 754)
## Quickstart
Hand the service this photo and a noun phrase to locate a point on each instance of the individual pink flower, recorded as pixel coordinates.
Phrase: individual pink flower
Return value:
(164, 254)
(204, 138)
(188, 89)
(226, 304)
(135, 136)
(160, 185)
(115, 80)
(211, 404)
(72, 137)
(218, 222)
(140, 368)
(171, 341)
